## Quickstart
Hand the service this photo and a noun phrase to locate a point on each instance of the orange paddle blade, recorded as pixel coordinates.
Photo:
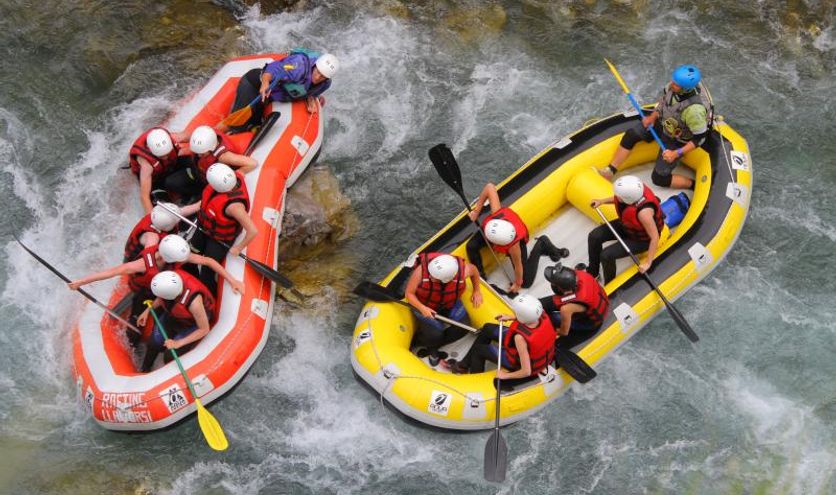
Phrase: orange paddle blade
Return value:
(238, 117)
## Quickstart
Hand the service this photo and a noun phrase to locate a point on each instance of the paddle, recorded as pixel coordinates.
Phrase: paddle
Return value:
(212, 431)
(242, 115)
(378, 293)
(268, 124)
(448, 169)
(80, 290)
(574, 365)
(258, 266)
(496, 451)
(634, 102)
(675, 314)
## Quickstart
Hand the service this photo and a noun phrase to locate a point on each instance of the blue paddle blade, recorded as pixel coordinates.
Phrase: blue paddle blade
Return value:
(496, 457)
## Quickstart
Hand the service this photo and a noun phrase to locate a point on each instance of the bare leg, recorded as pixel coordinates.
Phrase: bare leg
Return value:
(681, 182)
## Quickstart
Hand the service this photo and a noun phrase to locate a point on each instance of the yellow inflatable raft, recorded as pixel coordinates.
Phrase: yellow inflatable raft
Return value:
(552, 193)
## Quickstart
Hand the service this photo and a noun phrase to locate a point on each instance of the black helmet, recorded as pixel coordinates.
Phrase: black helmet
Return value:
(561, 277)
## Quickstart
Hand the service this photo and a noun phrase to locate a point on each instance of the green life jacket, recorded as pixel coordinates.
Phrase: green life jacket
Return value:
(670, 110)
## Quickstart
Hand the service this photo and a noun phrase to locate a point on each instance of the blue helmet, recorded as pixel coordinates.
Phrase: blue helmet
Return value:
(686, 77)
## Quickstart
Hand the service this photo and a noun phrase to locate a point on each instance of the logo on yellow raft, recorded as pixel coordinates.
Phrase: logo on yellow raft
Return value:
(439, 403)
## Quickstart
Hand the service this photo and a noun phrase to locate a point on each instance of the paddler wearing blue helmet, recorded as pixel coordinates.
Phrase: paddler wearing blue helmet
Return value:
(682, 119)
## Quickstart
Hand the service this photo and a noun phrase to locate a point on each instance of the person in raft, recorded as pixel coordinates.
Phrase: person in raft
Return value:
(527, 343)
(578, 307)
(152, 228)
(171, 253)
(507, 234)
(640, 222)
(682, 119)
(189, 309)
(435, 287)
(153, 156)
(221, 217)
(302, 75)
(208, 147)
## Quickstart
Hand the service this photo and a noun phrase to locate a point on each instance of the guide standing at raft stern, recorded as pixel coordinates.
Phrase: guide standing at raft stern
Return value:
(302, 74)
(682, 119)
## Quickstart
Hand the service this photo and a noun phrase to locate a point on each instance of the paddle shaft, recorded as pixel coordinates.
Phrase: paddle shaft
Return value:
(173, 352)
(383, 292)
(80, 290)
(675, 314)
(259, 266)
(635, 103)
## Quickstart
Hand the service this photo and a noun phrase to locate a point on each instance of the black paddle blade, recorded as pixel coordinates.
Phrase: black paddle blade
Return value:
(375, 292)
(446, 166)
(496, 457)
(574, 365)
(268, 272)
(681, 322)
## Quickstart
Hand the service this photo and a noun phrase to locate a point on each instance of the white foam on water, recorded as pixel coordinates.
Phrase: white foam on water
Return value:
(786, 429)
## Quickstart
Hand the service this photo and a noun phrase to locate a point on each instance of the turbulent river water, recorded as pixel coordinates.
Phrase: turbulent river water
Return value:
(750, 409)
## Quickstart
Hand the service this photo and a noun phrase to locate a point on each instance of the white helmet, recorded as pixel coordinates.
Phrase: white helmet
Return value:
(167, 285)
(327, 65)
(221, 177)
(174, 249)
(527, 309)
(159, 142)
(443, 268)
(203, 139)
(500, 232)
(163, 219)
(629, 189)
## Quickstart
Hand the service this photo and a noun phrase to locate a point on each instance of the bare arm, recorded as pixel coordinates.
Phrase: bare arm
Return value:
(472, 273)
(490, 195)
(190, 210)
(516, 260)
(566, 312)
(135, 266)
(603, 201)
(409, 292)
(202, 321)
(239, 213)
(646, 219)
(145, 172)
(242, 162)
(525, 361)
(197, 259)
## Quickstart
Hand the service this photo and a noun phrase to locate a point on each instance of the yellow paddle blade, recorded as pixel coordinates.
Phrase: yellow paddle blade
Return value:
(238, 117)
(618, 77)
(211, 429)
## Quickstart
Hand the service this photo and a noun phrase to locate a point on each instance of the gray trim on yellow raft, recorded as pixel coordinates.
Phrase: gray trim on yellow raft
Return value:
(683, 263)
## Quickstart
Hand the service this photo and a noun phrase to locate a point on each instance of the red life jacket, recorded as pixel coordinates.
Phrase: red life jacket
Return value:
(511, 216)
(629, 215)
(192, 287)
(133, 246)
(159, 165)
(212, 216)
(142, 281)
(588, 294)
(540, 342)
(224, 144)
(435, 294)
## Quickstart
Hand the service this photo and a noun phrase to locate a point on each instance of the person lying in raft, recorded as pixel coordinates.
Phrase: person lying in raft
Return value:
(152, 157)
(527, 343)
(189, 309)
(435, 287)
(681, 119)
(578, 307)
(302, 75)
(153, 227)
(640, 222)
(507, 234)
(171, 253)
(208, 147)
(222, 216)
